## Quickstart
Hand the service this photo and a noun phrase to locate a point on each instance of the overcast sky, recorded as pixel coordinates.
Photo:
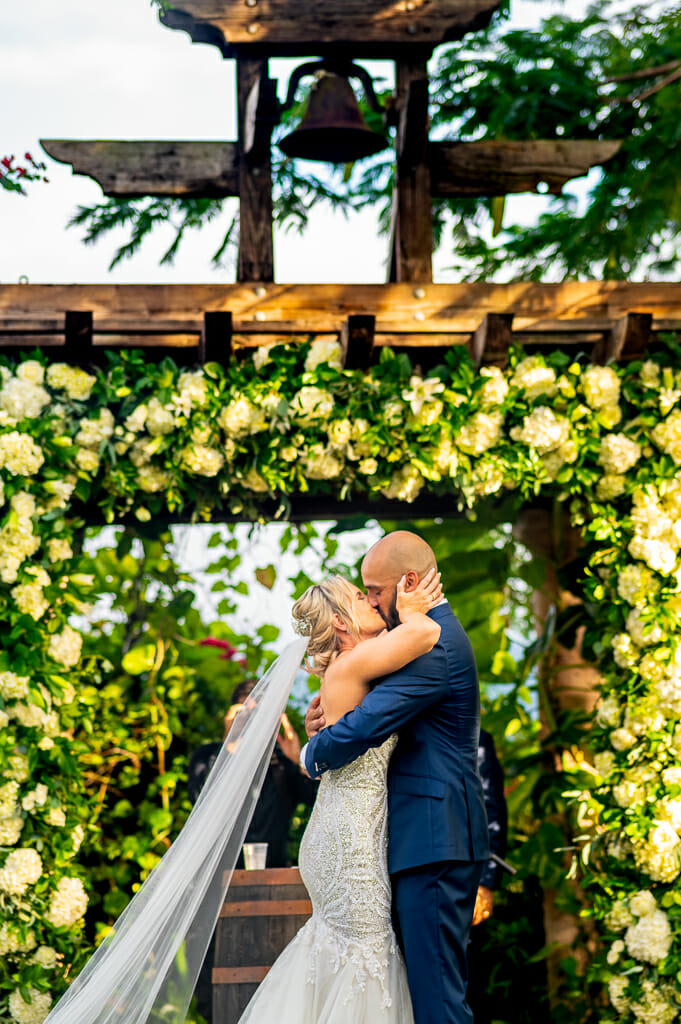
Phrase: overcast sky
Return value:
(108, 69)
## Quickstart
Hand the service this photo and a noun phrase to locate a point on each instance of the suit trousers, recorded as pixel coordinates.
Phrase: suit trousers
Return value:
(432, 911)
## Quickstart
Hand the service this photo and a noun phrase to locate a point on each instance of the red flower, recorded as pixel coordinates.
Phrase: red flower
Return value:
(27, 156)
(7, 162)
(229, 651)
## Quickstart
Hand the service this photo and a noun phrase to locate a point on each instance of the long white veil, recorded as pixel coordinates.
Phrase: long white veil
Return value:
(146, 968)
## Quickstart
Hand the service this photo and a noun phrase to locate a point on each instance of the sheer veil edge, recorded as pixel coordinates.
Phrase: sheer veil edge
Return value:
(146, 968)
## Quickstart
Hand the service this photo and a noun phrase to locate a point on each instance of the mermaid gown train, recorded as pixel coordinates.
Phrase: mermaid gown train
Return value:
(344, 963)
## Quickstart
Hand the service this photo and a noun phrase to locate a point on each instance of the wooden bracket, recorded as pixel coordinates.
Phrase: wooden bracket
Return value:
(357, 341)
(628, 339)
(215, 345)
(77, 337)
(490, 342)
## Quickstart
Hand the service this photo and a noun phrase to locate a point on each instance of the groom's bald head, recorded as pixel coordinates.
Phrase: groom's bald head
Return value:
(398, 554)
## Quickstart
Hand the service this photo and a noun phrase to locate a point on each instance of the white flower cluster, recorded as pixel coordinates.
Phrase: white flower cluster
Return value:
(405, 484)
(636, 584)
(65, 647)
(17, 539)
(202, 459)
(76, 383)
(11, 940)
(495, 386)
(68, 903)
(19, 454)
(29, 597)
(312, 405)
(421, 396)
(601, 386)
(656, 518)
(534, 377)
(660, 854)
(481, 433)
(324, 351)
(22, 396)
(192, 393)
(242, 417)
(618, 454)
(320, 463)
(543, 430)
(22, 868)
(667, 436)
(33, 1012)
(649, 939)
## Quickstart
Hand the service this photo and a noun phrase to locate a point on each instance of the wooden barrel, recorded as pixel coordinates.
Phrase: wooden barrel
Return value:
(262, 913)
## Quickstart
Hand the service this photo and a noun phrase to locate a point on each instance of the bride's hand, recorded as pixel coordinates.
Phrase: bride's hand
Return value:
(422, 598)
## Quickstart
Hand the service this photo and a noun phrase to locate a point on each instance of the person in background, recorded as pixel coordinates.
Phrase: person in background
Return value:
(284, 788)
(492, 777)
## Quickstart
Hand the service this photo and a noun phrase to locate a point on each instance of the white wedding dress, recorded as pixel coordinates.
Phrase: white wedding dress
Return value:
(344, 964)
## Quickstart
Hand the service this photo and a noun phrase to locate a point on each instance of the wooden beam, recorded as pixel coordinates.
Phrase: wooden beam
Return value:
(492, 339)
(357, 340)
(497, 167)
(628, 339)
(258, 308)
(256, 239)
(216, 338)
(412, 228)
(126, 170)
(292, 28)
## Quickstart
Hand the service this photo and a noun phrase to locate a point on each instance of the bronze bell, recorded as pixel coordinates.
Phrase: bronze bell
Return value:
(332, 128)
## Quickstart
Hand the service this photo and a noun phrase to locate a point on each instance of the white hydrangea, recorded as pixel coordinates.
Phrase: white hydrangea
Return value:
(33, 1012)
(11, 941)
(619, 916)
(21, 399)
(669, 810)
(77, 384)
(22, 868)
(618, 453)
(36, 798)
(543, 430)
(65, 647)
(405, 484)
(367, 466)
(609, 712)
(160, 420)
(61, 491)
(658, 1006)
(622, 739)
(92, 432)
(643, 632)
(29, 597)
(261, 356)
(660, 855)
(657, 554)
(628, 793)
(534, 378)
(650, 374)
(32, 371)
(242, 417)
(617, 987)
(192, 392)
(623, 650)
(667, 436)
(202, 460)
(12, 686)
(312, 404)
(488, 476)
(59, 549)
(18, 767)
(604, 763)
(672, 776)
(255, 481)
(152, 479)
(635, 584)
(67, 904)
(650, 939)
(668, 691)
(46, 956)
(19, 454)
(642, 903)
(480, 433)
(325, 351)
(321, 464)
(340, 433)
(601, 386)
(10, 829)
(56, 817)
(88, 460)
(136, 420)
(495, 387)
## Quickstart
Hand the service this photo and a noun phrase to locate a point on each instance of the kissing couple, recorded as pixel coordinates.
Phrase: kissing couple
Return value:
(396, 843)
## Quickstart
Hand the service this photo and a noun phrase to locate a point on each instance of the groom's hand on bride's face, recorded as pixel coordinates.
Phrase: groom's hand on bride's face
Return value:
(314, 719)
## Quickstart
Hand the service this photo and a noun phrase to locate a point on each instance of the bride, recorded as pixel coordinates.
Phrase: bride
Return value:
(145, 969)
(345, 961)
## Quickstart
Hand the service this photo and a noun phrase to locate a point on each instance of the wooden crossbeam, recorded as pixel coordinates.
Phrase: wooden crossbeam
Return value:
(283, 309)
(498, 167)
(358, 28)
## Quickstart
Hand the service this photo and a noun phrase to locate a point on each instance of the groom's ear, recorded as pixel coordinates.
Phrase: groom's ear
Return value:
(411, 580)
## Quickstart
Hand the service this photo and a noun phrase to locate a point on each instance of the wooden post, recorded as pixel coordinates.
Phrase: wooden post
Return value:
(627, 340)
(412, 225)
(215, 345)
(357, 340)
(256, 242)
(77, 337)
(491, 341)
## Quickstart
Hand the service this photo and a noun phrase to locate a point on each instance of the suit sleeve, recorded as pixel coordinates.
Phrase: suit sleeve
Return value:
(394, 701)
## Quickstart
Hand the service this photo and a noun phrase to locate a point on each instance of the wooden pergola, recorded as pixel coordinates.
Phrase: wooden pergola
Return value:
(199, 323)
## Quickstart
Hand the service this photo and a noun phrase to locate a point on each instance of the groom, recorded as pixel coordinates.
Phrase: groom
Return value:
(438, 839)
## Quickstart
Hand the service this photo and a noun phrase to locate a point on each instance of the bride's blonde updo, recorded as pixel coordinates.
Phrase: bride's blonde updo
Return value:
(313, 617)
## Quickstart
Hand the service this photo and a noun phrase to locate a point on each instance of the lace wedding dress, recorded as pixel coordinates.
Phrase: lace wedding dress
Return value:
(344, 964)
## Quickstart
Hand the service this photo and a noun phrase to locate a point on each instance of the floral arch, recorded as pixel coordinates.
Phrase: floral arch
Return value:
(146, 440)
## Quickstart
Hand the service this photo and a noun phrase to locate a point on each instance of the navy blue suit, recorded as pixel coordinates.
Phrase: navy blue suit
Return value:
(438, 836)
